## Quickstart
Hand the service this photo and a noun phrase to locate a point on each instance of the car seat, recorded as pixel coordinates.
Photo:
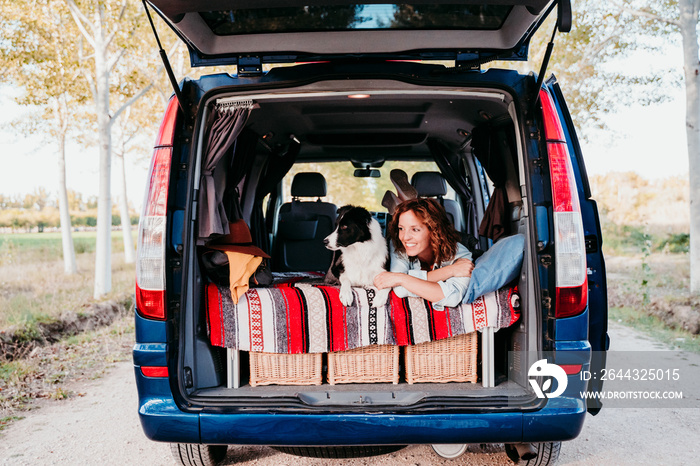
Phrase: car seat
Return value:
(303, 225)
(432, 184)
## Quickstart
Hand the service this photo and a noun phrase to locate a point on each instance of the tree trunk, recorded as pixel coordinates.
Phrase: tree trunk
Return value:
(689, 22)
(69, 265)
(129, 252)
(103, 250)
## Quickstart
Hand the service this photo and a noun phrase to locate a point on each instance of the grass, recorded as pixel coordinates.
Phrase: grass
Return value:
(22, 247)
(50, 372)
(34, 287)
(655, 328)
(646, 286)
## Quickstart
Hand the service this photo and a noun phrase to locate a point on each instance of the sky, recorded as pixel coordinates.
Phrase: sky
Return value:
(637, 139)
(29, 162)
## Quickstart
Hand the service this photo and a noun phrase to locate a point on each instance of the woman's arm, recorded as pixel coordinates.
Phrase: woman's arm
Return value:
(423, 288)
(460, 268)
(434, 285)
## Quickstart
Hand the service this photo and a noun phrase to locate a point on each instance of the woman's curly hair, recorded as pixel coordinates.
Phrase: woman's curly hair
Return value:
(443, 237)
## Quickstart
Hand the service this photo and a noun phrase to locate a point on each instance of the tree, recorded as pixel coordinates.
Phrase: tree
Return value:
(682, 16)
(603, 31)
(108, 29)
(39, 56)
(136, 121)
(657, 17)
(128, 130)
(691, 70)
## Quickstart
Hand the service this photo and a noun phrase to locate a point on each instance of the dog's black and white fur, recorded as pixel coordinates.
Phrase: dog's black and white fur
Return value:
(360, 253)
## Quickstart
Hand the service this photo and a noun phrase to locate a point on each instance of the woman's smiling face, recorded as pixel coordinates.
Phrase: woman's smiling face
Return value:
(415, 236)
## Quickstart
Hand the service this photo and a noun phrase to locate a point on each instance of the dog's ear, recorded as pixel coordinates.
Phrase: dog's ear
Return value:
(342, 212)
(366, 216)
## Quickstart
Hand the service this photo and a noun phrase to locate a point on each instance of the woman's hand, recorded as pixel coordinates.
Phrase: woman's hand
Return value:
(388, 279)
(461, 268)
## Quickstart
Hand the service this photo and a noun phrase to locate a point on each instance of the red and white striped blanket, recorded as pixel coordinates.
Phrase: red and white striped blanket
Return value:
(300, 314)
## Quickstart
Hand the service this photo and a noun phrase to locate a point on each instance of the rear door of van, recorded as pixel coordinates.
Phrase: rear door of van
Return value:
(597, 286)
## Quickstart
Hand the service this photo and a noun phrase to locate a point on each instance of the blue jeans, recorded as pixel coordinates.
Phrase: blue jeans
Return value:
(496, 267)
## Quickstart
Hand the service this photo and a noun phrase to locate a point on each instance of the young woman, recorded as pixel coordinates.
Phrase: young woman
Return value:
(427, 259)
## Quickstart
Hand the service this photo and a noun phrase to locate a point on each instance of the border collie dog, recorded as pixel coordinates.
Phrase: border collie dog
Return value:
(360, 253)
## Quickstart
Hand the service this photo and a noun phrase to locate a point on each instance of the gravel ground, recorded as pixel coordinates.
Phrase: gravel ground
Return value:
(101, 427)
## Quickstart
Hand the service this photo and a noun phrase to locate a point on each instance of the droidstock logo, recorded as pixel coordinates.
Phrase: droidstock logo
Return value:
(544, 369)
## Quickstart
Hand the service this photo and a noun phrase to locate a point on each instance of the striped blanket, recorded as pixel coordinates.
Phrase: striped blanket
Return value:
(299, 314)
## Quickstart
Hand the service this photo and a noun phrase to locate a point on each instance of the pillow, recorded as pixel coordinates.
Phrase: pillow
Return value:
(496, 267)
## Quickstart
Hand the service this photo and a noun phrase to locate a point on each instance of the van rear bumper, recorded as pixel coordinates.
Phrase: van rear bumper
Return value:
(553, 423)
(561, 419)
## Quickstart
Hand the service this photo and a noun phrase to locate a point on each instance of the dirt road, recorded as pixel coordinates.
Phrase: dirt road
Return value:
(102, 427)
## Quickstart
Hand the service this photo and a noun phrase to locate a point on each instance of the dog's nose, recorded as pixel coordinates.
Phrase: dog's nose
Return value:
(325, 241)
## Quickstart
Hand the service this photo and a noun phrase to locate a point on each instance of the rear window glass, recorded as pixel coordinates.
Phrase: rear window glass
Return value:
(355, 16)
(344, 188)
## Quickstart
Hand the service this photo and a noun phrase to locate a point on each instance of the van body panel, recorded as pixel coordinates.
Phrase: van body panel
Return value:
(572, 328)
(149, 331)
(562, 419)
(360, 429)
(161, 418)
(150, 354)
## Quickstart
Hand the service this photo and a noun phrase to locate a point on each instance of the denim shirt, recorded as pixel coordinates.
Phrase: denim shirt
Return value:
(453, 288)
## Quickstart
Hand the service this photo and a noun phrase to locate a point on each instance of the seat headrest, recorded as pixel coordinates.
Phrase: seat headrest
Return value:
(308, 184)
(429, 184)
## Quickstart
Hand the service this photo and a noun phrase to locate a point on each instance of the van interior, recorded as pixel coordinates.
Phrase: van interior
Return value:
(317, 147)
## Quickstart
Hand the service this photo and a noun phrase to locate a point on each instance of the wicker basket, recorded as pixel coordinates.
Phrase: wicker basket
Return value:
(368, 364)
(449, 360)
(285, 369)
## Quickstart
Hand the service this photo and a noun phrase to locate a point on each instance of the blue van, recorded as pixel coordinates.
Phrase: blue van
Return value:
(326, 99)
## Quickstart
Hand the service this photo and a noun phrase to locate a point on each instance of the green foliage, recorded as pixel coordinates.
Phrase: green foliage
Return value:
(630, 240)
(603, 33)
(28, 331)
(13, 370)
(38, 210)
(676, 243)
(345, 188)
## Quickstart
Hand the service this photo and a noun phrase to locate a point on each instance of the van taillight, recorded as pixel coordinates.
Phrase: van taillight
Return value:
(150, 263)
(569, 244)
(154, 371)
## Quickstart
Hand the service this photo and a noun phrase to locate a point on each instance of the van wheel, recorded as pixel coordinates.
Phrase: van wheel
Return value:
(341, 452)
(540, 454)
(193, 454)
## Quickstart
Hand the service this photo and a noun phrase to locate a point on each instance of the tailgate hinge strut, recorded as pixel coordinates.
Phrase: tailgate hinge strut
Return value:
(166, 62)
(562, 24)
(543, 68)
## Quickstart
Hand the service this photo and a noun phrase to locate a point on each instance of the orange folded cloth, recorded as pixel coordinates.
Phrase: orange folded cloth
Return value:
(241, 266)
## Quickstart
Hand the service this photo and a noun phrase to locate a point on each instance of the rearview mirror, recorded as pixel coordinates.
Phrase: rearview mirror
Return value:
(367, 173)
